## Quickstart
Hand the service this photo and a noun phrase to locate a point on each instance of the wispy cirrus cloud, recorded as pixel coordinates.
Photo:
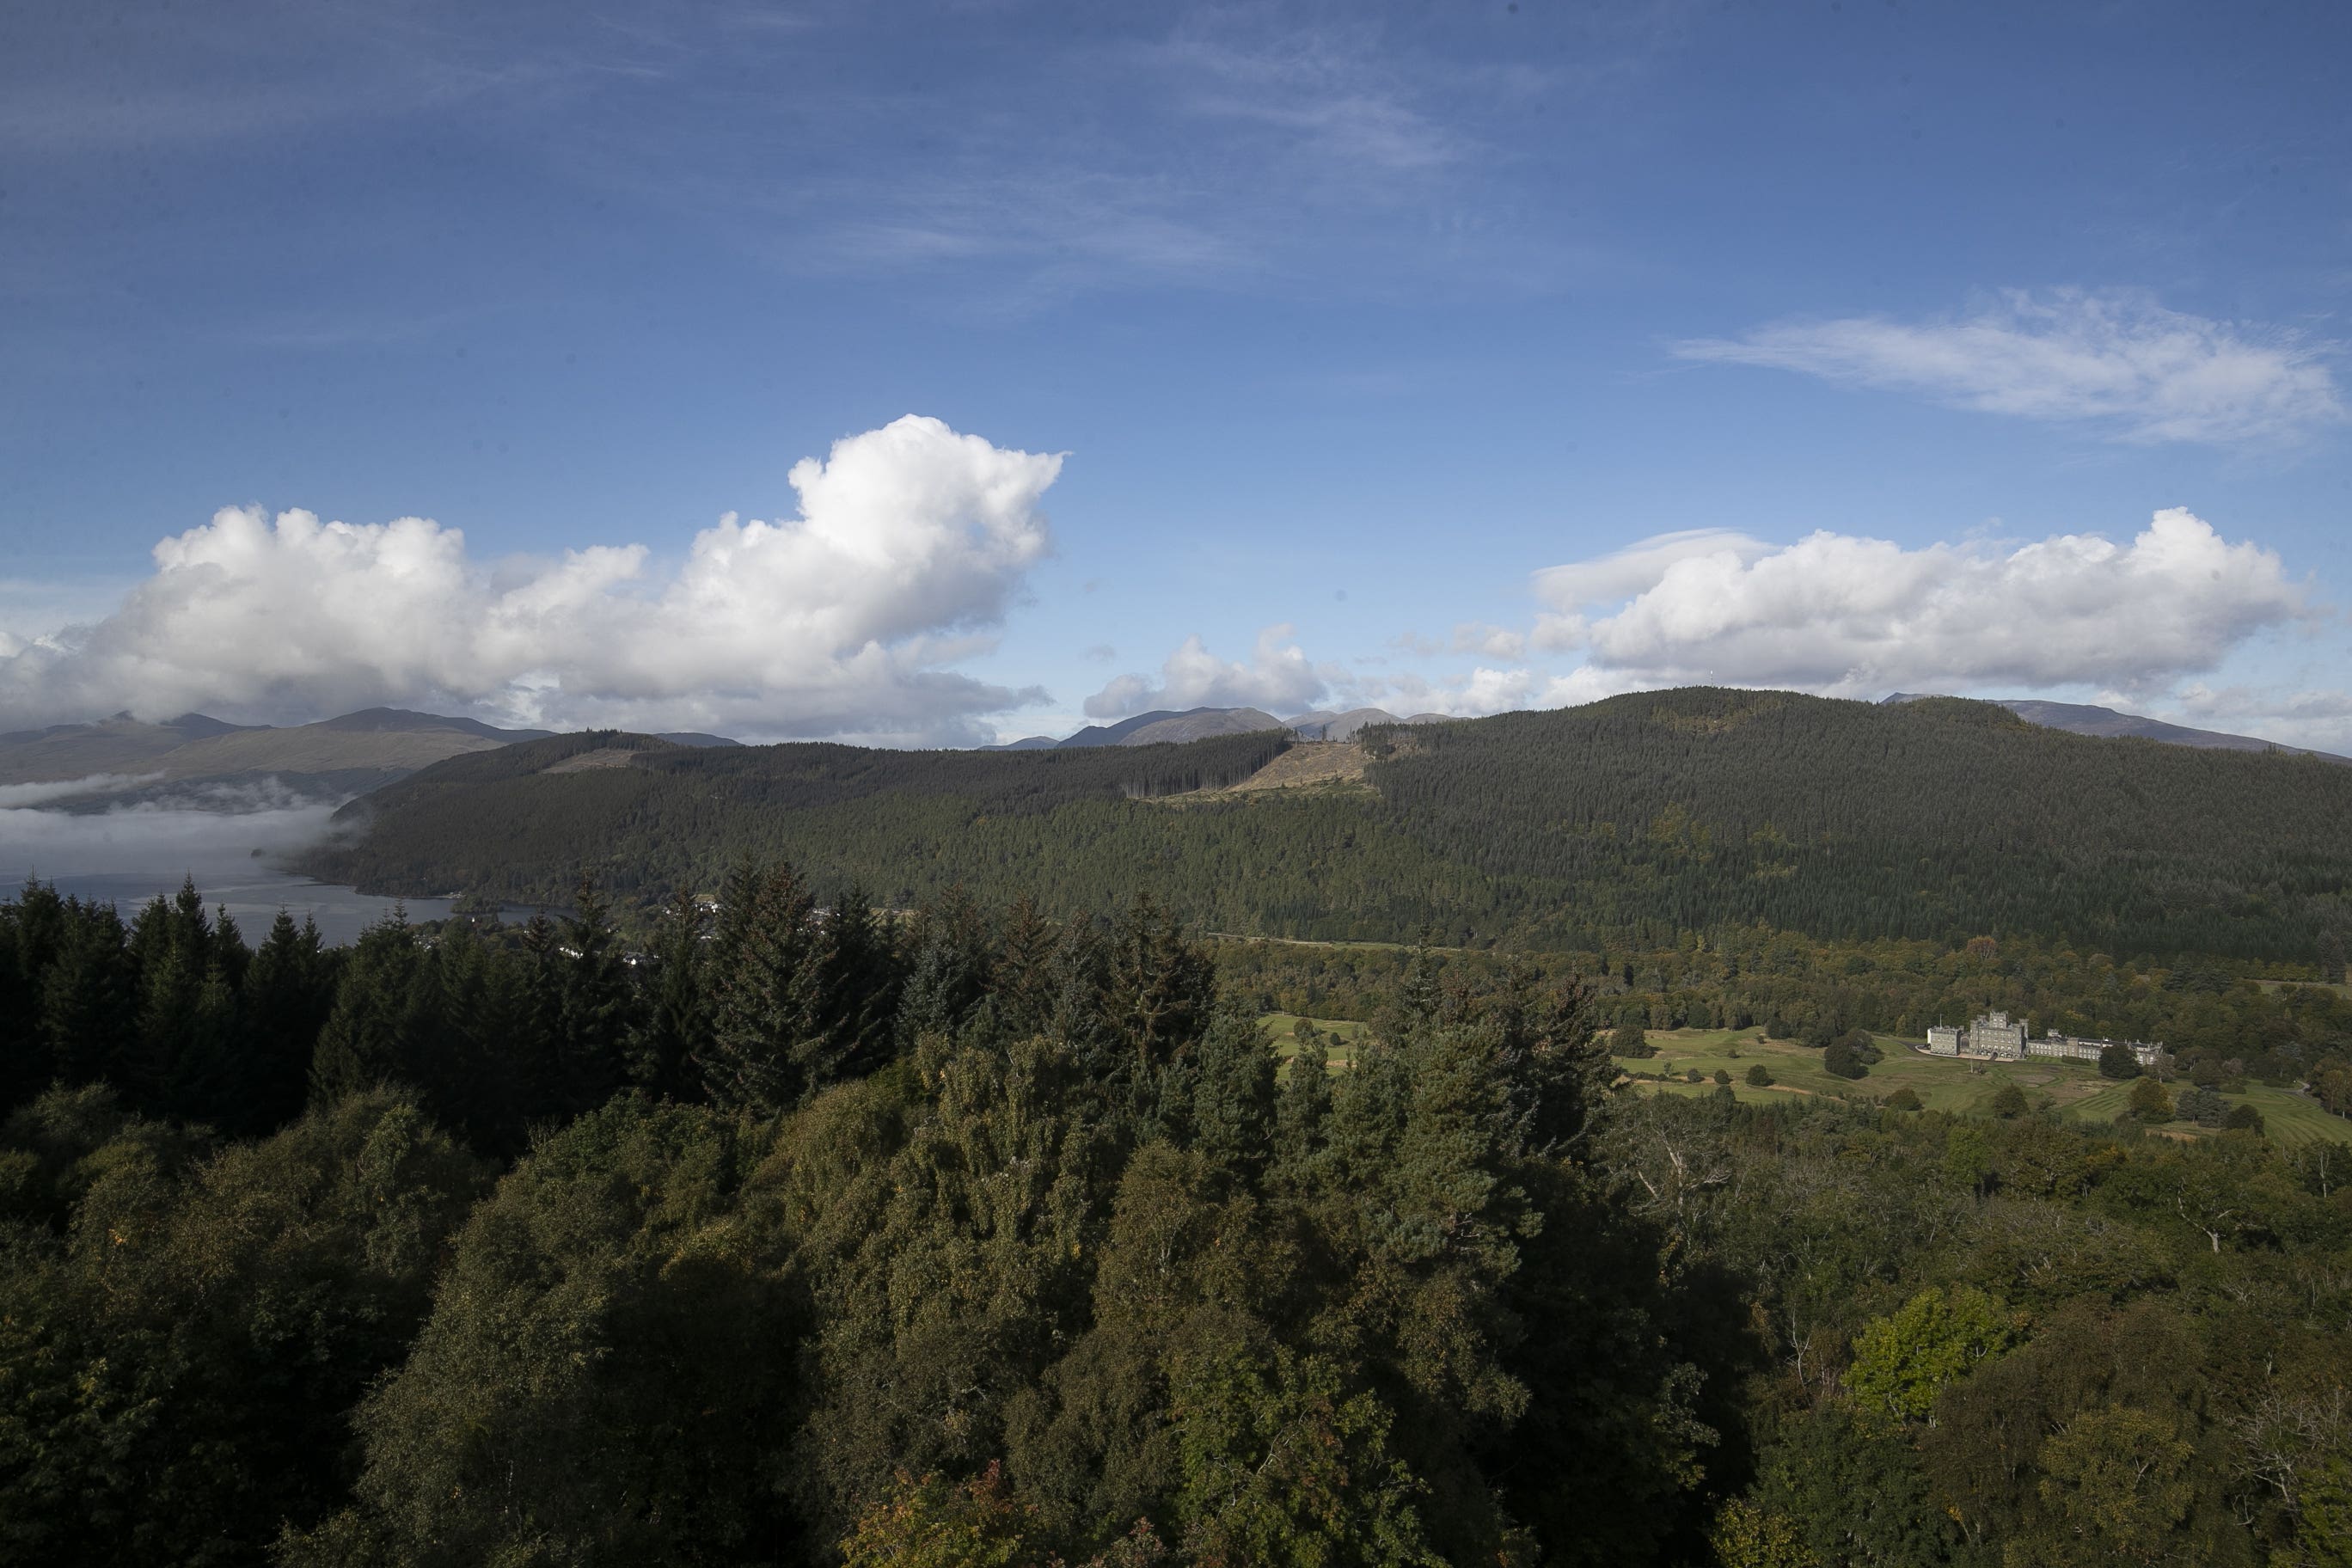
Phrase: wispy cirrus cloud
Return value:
(2117, 361)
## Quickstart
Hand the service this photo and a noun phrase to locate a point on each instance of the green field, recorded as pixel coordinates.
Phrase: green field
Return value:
(2071, 1090)
(2274, 987)
(1341, 1050)
(2074, 1090)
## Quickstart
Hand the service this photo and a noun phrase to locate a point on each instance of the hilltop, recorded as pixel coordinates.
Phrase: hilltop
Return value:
(1164, 726)
(1637, 817)
(1194, 723)
(2087, 719)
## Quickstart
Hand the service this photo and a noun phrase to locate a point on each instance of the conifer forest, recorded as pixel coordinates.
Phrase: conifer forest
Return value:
(768, 1221)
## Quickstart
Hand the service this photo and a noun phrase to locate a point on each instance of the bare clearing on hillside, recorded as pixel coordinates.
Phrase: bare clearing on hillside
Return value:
(584, 762)
(1309, 763)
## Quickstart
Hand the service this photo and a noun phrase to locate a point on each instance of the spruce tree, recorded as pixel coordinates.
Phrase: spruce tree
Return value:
(289, 990)
(596, 1007)
(171, 945)
(1025, 975)
(951, 967)
(858, 963)
(207, 1081)
(1302, 1114)
(769, 1001)
(1161, 986)
(673, 1028)
(1232, 1091)
(370, 1038)
(87, 1015)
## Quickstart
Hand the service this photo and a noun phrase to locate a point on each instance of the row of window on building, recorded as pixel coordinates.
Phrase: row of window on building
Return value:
(1996, 1036)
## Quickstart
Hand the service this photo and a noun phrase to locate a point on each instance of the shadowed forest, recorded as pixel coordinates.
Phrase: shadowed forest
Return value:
(801, 1233)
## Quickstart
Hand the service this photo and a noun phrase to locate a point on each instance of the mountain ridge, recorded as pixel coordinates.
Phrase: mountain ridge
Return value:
(1627, 819)
(1161, 726)
(128, 760)
(2113, 723)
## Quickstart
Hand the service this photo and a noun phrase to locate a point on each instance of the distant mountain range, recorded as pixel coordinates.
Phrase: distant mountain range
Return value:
(1163, 727)
(125, 759)
(196, 757)
(2084, 719)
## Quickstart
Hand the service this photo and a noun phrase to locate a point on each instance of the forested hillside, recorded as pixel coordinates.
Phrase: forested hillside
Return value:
(977, 1240)
(1625, 821)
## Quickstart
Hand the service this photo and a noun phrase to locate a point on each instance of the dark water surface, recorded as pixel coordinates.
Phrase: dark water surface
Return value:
(254, 899)
(236, 859)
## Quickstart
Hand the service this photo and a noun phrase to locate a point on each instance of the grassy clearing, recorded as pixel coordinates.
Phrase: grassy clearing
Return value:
(2274, 987)
(1280, 1028)
(2071, 1090)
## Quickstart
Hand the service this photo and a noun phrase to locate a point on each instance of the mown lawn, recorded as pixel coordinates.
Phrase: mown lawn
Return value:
(1964, 1088)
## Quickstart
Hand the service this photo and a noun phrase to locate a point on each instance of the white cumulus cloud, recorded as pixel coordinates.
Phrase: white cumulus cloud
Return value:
(1278, 678)
(911, 543)
(2117, 361)
(1856, 616)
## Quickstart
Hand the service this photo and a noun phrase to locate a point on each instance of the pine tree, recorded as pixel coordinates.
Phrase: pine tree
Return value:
(769, 1001)
(952, 967)
(595, 1007)
(87, 1017)
(208, 1081)
(370, 1037)
(289, 990)
(1161, 986)
(1302, 1114)
(1026, 976)
(674, 1031)
(172, 946)
(1233, 1096)
(858, 962)
(31, 928)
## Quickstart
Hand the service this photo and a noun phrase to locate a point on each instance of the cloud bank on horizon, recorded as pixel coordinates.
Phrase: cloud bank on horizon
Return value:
(911, 543)
(1852, 616)
(1837, 615)
(1277, 678)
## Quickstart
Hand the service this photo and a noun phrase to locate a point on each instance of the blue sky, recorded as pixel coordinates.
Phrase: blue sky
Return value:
(1899, 324)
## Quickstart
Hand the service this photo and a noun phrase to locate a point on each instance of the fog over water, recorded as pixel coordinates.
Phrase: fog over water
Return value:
(237, 858)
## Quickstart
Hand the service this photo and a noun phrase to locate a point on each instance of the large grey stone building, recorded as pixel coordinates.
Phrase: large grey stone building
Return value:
(1996, 1036)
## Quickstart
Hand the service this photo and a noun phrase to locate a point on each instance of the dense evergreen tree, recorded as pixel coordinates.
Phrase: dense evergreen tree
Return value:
(596, 1006)
(674, 1030)
(1014, 1240)
(88, 998)
(289, 989)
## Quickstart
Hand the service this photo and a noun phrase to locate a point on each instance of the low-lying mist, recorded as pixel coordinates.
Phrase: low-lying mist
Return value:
(234, 843)
(171, 840)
